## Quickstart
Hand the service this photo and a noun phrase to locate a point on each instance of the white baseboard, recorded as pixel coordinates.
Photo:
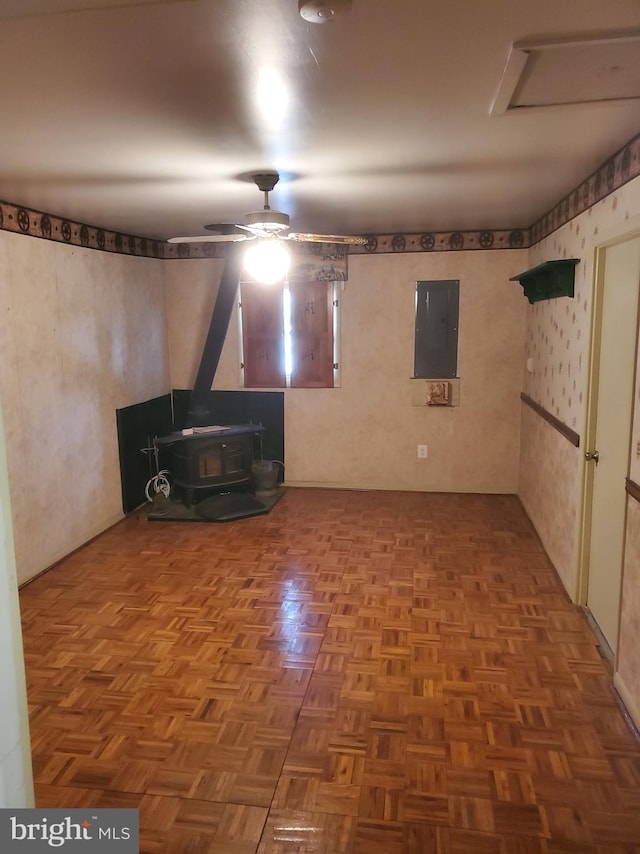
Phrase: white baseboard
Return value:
(73, 546)
(377, 486)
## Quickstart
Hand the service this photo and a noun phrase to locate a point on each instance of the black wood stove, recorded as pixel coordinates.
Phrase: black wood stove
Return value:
(212, 458)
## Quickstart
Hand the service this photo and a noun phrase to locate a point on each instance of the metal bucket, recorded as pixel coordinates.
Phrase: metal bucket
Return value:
(265, 476)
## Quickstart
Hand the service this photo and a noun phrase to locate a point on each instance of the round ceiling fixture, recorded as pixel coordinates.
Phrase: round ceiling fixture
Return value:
(321, 11)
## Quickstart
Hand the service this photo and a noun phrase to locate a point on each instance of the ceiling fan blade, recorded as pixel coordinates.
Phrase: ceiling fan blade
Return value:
(267, 224)
(211, 238)
(326, 238)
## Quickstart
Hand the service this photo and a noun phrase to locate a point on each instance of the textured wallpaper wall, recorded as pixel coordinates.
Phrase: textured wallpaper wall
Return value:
(365, 433)
(556, 332)
(83, 333)
(628, 663)
(634, 468)
(557, 343)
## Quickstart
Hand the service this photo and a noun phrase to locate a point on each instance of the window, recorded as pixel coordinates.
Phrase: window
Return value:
(288, 335)
(436, 330)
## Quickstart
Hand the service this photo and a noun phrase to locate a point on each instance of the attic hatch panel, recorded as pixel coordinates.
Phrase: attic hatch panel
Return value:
(570, 72)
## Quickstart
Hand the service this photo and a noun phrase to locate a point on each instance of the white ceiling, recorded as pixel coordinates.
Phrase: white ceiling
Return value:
(141, 116)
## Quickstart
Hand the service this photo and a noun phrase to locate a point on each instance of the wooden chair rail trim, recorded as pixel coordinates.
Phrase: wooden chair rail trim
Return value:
(633, 489)
(567, 432)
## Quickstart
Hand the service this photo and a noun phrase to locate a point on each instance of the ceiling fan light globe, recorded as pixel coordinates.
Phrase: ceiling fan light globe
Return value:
(267, 261)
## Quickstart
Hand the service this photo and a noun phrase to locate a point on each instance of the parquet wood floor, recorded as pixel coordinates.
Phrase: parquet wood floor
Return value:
(354, 673)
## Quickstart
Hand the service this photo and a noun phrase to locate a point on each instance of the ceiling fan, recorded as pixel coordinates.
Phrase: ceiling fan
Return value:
(266, 224)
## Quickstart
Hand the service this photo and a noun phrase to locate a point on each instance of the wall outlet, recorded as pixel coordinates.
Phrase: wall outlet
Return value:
(422, 452)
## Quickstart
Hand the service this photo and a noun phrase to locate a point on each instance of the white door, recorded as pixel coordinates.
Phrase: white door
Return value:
(613, 433)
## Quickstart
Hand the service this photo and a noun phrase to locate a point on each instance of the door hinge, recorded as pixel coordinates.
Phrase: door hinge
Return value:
(335, 366)
(335, 303)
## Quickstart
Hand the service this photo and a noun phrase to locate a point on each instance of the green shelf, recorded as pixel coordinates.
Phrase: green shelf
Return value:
(548, 280)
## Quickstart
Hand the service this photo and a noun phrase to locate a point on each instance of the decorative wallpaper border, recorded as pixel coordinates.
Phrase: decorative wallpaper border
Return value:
(444, 241)
(620, 168)
(562, 428)
(49, 227)
(194, 250)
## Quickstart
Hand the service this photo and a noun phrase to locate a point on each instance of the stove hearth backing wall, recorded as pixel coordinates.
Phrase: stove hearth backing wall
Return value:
(138, 424)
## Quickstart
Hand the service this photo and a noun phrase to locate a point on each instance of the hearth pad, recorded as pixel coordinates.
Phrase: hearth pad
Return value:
(217, 508)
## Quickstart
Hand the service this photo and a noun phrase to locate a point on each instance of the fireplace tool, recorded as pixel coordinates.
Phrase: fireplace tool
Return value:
(158, 483)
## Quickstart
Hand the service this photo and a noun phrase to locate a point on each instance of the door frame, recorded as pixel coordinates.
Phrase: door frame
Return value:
(631, 232)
